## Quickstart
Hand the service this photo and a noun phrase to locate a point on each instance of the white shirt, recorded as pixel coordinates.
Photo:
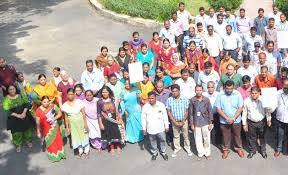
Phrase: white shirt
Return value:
(271, 62)
(250, 71)
(201, 19)
(92, 80)
(253, 110)
(220, 28)
(211, 21)
(232, 41)
(282, 109)
(276, 17)
(214, 44)
(212, 98)
(169, 34)
(185, 17)
(203, 79)
(154, 118)
(187, 88)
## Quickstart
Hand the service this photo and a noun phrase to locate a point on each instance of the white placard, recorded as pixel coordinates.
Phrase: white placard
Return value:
(282, 37)
(135, 72)
(269, 97)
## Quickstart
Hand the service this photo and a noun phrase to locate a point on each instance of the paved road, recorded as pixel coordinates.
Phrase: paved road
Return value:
(39, 34)
(252, 7)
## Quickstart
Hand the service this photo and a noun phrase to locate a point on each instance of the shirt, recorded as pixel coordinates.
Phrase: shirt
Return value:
(229, 104)
(7, 75)
(282, 100)
(224, 64)
(220, 28)
(92, 80)
(154, 118)
(169, 34)
(273, 59)
(117, 88)
(204, 78)
(249, 42)
(232, 41)
(250, 71)
(282, 26)
(197, 39)
(275, 16)
(269, 81)
(200, 112)
(163, 96)
(243, 24)
(253, 110)
(211, 20)
(187, 88)
(231, 20)
(213, 44)
(185, 18)
(201, 19)
(177, 26)
(236, 78)
(178, 107)
(270, 34)
(260, 24)
(91, 108)
(212, 98)
(245, 93)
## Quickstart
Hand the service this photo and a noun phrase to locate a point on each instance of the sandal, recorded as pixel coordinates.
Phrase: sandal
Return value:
(86, 155)
(18, 149)
(30, 145)
(79, 156)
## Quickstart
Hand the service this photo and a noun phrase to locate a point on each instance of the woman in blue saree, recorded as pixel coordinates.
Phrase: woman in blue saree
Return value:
(146, 56)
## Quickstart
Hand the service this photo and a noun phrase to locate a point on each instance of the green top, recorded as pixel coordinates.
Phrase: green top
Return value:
(20, 101)
(237, 78)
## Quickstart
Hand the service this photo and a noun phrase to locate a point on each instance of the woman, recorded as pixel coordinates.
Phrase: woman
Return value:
(135, 44)
(160, 76)
(204, 58)
(128, 51)
(176, 66)
(146, 56)
(192, 54)
(109, 120)
(245, 88)
(110, 68)
(75, 119)
(155, 44)
(132, 111)
(90, 105)
(79, 92)
(19, 119)
(47, 126)
(63, 86)
(102, 59)
(56, 76)
(165, 53)
(145, 87)
(146, 68)
(123, 59)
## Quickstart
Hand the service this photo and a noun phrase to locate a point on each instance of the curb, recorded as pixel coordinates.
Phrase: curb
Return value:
(125, 18)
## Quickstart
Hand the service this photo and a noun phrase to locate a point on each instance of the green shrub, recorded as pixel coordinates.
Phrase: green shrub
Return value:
(232, 4)
(283, 6)
(150, 9)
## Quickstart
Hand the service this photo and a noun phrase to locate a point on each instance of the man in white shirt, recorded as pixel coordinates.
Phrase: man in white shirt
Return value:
(201, 17)
(275, 14)
(92, 78)
(251, 39)
(155, 123)
(213, 43)
(211, 18)
(187, 84)
(232, 42)
(220, 25)
(168, 33)
(184, 16)
(247, 68)
(281, 118)
(208, 75)
(254, 123)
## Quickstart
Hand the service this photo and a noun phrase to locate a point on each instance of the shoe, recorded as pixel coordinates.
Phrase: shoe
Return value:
(154, 157)
(264, 155)
(277, 153)
(225, 154)
(190, 154)
(165, 156)
(250, 155)
(199, 158)
(208, 157)
(240, 153)
(174, 154)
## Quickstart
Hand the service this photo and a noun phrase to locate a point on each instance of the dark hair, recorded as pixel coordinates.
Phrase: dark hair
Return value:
(242, 9)
(156, 76)
(45, 97)
(205, 50)
(13, 85)
(227, 53)
(255, 88)
(246, 78)
(19, 73)
(209, 27)
(192, 42)
(111, 94)
(166, 39)
(41, 75)
(228, 10)
(145, 63)
(198, 85)
(271, 19)
(125, 43)
(145, 74)
(125, 70)
(155, 33)
(264, 67)
(207, 64)
(88, 91)
(144, 45)
(89, 61)
(104, 47)
(135, 33)
(201, 8)
(229, 83)
(112, 75)
(246, 58)
(284, 69)
(121, 49)
(260, 9)
(174, 13)
(175, 86)
(270, 42)
(151, 93)
(70, 90)
(79, 86)
(199, 24)
(184, 71)
(229, 26)
(181, 3)
(57, 69)
(220, 15)
(253, 29)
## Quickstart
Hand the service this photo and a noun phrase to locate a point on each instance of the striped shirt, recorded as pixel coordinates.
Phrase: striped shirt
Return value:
(178, 107)
(197, 39)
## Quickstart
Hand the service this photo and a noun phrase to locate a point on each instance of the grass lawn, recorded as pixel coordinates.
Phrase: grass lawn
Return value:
(193, 6)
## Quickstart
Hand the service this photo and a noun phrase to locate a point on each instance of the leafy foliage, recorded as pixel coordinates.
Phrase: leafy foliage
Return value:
(283, 6)
(232, 4)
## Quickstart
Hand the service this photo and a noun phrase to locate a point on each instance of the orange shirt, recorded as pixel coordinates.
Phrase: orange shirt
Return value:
(224, 63)
(270, 81)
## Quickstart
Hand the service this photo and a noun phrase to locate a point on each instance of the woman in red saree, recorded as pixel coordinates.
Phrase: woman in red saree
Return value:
(155, 44)
(192, 54)
(204, 58)
(165, 54)
(47, 126)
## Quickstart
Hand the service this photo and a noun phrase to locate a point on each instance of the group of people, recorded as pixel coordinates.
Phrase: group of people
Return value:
(199, 79)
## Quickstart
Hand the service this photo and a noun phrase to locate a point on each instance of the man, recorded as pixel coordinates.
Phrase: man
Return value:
(92, 78)
(281, 118)
(264, 79)
(243, 23)
(251, 39)
(208, 75)
(178, 28)
(193, 73)
(7, 75)
(201, 17)
(261, 21)
(220, 25)
(247, 68)
(230, 19)
(187, 84)
(283, 24)
(231, 75)
(201, 30)
(213, 43)
(275, 14)
(193, 36)
(270, 33)
(184, 16)
(212, 94)
(211, 18)
(229, 106)
(254, 55)
(262, 61)
(232, 42)
(177, 108)
(283, 76)
(168, 33)
(273, 58)
(254, 123)
(201, 118)
(155, 124)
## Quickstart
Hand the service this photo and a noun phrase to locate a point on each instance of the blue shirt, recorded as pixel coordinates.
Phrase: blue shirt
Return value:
(197, 39)
(260, 24)
(178, 107)
(232, 21)
(229, 104)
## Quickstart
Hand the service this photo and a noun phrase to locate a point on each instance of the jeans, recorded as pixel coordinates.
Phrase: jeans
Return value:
(153, 138)
(281, 134)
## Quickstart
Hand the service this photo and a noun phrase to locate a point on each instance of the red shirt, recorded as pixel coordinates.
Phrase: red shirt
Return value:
(108, 70)
(7, 75)
(165, 55)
